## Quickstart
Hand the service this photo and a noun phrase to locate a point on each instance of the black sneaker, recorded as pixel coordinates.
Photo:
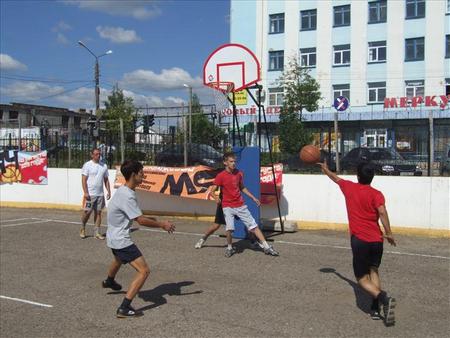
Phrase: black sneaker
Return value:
(128, 312)
(375, 314)
(388, 311)
(112, 285)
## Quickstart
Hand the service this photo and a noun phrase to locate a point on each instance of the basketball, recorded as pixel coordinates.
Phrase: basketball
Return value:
(310, 154)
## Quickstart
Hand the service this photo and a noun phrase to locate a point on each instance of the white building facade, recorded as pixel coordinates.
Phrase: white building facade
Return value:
(390, 58)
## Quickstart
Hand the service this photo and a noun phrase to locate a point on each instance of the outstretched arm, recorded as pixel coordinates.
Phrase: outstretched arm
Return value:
(335, 178)
(384, 217)
(153, 223)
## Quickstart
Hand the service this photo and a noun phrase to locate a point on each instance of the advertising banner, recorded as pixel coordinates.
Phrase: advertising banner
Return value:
(193, 182)
(23, 167)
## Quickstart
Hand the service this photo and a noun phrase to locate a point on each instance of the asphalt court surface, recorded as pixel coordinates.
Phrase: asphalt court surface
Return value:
(50, 284)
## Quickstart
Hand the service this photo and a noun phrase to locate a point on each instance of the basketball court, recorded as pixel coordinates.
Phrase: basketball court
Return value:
(50, 284)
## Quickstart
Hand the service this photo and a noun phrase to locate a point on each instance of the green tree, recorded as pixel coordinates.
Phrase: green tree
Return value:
(203, 130)
(118, 106)
(301, 91)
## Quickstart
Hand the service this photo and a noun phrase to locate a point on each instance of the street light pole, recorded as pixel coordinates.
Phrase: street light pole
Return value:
(97, 87)
(96, 75)
(190, 111)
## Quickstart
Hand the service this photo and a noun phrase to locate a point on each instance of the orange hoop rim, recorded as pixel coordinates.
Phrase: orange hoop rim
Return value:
(229, 86)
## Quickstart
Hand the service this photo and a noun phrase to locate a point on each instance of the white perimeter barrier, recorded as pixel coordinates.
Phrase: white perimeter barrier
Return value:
(416, 202)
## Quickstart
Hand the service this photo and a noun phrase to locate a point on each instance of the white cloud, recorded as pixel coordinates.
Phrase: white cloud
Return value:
(118, 34)
(84, 97)
(61, 27)
(29, 90)
(137, 9)
(173, 78)
(9, 63)
(62, 39)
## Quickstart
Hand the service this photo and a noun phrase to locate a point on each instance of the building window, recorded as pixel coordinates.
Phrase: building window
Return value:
(308, 20)
(13, 115)
(377, 11)
(414, 49)
(341, 90)
(275, 96)
(448, 6)
(77, 122)
(447, 46)
(377, 51)
(276, 23)
(377, 91)
(65, 121)
(308, 57)
(342, 16)
(341, 55)
(1, 114)
(276, 60)
(415, 9)
(414, 88)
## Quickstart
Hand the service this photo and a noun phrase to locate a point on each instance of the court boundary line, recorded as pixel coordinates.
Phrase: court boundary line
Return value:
(25, 301)
(13, 225)
(275, 241)
(16, 219)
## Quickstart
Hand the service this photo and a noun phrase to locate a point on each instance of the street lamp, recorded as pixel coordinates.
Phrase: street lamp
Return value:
(190, 111)
(96, 74)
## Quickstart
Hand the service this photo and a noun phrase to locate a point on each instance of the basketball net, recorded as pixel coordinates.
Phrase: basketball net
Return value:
(221, 92)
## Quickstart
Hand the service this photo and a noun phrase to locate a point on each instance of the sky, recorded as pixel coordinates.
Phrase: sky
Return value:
(157, 46)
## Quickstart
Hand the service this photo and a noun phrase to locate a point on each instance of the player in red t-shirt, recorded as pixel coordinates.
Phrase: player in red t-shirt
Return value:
(231, 182)
(365, 205)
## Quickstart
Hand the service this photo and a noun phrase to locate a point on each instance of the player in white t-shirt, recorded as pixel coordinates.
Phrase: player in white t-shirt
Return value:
(94, 175)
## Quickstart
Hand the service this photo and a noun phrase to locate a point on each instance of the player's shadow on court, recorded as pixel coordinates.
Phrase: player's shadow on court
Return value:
(156, 295)
(363, 300)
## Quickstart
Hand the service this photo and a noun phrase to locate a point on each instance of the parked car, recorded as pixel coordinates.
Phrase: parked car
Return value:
(198, 154)
(445, 161)
(386, 161)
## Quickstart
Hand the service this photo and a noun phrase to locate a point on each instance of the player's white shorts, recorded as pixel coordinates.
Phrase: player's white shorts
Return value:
(244, 215)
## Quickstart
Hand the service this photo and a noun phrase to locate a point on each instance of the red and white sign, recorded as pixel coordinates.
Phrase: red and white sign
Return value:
(429, 101)
(271, 110)
(268, 194)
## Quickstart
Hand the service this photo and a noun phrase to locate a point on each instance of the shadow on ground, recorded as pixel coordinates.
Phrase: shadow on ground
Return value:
(363, 300)
(156, 295)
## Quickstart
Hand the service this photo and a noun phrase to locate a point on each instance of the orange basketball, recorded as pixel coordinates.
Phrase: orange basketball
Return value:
(310, 154)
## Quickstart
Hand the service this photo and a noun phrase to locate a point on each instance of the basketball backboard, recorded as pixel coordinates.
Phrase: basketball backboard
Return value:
(231, 67)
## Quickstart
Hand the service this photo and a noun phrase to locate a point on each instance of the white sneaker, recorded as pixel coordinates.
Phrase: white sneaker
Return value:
(199, 244)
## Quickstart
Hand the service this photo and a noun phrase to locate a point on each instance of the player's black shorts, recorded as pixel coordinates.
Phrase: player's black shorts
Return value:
(220, 218)
(365, 256)
(128, 254)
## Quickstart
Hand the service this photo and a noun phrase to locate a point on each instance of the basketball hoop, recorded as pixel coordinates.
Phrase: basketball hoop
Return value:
(221, 91)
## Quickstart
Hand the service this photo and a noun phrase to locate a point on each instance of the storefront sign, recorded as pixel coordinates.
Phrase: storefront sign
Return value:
(271, 110)
(429, 101)
(240, 98)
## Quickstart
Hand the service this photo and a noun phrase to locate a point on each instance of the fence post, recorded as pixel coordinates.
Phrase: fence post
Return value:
(185, 131)
(20, 135)
(69, 144)
(336, 133)
(122, 142)
(431, 143)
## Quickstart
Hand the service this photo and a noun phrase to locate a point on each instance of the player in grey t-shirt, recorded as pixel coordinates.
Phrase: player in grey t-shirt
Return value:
(123, 209)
